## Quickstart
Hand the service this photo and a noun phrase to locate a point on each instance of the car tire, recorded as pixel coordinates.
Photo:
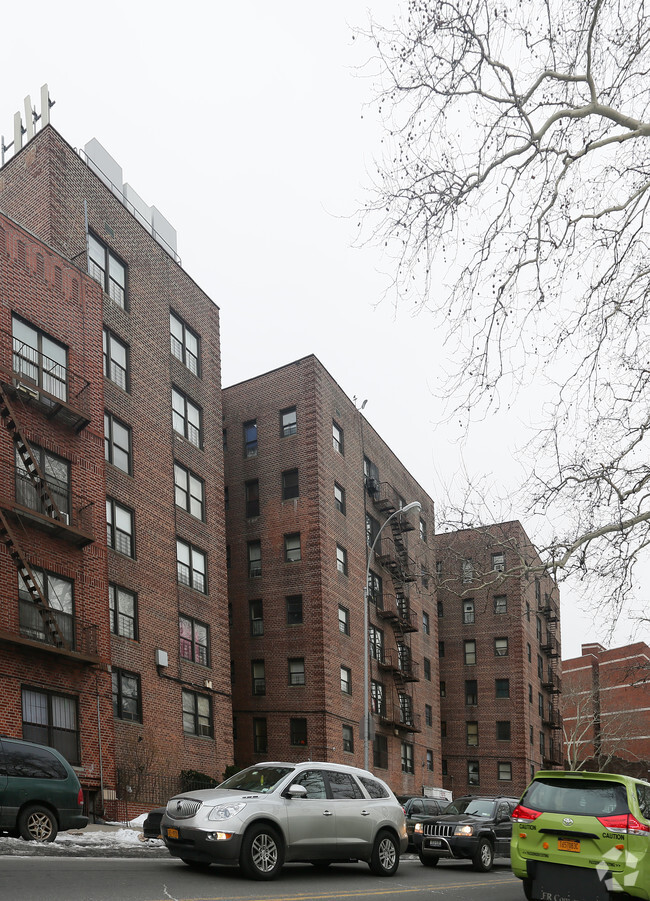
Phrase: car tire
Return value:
(527, 885)
(484, 857)
(384, 859)
(37, 824)
(262, 854)
(429, 861)
(196, 864)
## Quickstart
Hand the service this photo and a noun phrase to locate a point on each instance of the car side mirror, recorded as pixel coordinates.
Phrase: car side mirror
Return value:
(296, 791)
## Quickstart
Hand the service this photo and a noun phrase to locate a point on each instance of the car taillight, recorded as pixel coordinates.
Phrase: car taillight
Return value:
(80, 798)
(624, 822)
(523, 814)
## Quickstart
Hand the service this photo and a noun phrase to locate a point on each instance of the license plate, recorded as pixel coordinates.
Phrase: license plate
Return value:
(172, 833)
(567, 845)
(434, 843)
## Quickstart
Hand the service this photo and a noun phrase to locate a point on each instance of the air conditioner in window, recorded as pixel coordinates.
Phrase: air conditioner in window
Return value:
(28, 390)
(65, 518)
(499, 567)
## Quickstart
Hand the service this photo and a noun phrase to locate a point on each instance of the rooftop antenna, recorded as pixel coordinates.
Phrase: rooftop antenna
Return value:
(31, 118)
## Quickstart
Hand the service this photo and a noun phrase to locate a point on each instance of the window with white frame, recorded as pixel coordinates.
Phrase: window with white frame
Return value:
(184, 343)
(341, 560)
(256, 614)
(468, 611)
(470, 652)
(288, 422)
(337, 437)
(186, 418)
(467, 571)
(117, 443)
(346, 680)
(500, 604)
(500, 647)
(191, 566)
(119, 528)
(123, 611)
(297, 671)
(258, 677)
(407, 757)
(429, 761)
(504, 771)
(188, 491)
(254, 559)
(292, 550)
(472, 733)
(344, 620)
(105, 267)
(499, 562)
(116, 360)
(339, 498)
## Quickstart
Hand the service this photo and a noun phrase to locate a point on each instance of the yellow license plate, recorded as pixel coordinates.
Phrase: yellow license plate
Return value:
(565, 845)
(172, 833)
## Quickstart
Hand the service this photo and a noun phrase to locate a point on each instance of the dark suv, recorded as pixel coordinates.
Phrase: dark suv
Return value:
(419, 810)
(470, 828)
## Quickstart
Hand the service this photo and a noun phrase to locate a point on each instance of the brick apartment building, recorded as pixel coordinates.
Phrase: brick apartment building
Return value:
(309, 484)
(499, 656)
(113, 626)
(606, 709)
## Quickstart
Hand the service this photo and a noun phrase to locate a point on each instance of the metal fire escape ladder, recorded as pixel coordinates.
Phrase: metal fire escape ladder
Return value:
(551, 647)
(30, 463)
(29, 581)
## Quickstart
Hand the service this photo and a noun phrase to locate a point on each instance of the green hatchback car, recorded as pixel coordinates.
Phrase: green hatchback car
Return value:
(583, 837)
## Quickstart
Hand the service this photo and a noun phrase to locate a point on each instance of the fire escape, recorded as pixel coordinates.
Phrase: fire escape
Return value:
(43, 623)
(392, 555)
(552, 683)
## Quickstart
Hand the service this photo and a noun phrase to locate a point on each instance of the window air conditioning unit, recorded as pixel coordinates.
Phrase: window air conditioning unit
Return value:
(22, 388)
(65, 518)
(499, 567)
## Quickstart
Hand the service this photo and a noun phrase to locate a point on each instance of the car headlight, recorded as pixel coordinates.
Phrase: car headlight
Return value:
(464, 830)
(418, 828)
(225, 811)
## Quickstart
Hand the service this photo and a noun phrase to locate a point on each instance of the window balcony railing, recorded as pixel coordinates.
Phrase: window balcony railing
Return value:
(79, 636)
(75, 524)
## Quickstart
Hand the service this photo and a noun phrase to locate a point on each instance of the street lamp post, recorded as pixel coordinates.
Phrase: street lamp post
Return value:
(415, 505)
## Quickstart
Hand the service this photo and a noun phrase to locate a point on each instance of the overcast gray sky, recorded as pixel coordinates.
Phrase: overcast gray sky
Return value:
(244, 123)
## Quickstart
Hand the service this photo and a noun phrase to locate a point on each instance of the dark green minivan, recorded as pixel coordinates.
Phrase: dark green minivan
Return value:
(39, 791)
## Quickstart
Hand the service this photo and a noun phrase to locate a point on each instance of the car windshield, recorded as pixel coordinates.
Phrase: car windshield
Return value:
(591, 797)
(476, 807)
(257, 779)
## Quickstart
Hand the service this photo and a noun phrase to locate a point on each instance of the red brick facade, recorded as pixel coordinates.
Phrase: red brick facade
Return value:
(606, 708)
(48, 188)
(499, 664)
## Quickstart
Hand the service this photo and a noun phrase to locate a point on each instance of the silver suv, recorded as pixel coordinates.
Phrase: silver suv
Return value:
(275, 813)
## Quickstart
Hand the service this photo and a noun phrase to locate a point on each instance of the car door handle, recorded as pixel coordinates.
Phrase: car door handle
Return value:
(365, 813)
(327, 813)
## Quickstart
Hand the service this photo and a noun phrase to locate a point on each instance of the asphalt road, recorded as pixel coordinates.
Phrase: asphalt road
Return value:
(159, 879)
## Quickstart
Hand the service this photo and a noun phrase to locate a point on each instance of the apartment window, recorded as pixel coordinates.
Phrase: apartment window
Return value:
(473, 772)
(467, 571)
(429, 761)
(108, 270)
(428, 714)
(540, 667)
(184, 343)
(529, 652)
(538, 592)
(542, 744)
(503, 730)
(406, 709)
(471, 692)
(341, 559)
(52, 719)
(528, 611)
(186, 418)
(407, 757)
(294, 609)
(297, 671)
(292, 551)
(116, 360)
(439, 568)
(39, 360)
(337, 438)
(532, 736)
(191, 566)
(502, 688)
(443, 689)
(423, 530)
(255, 610)
(57, 475)
(254, 559)
(470, 651)
(371, 475)
(504, 771)
(298, 731)
(500, 604)
(189, 491)
(377, 698)
(348, 738)
(372, 529)
(117, 443)
(538, 629)
(443, 728)
(288, 422)
(444, 768)
(252, 497)
(339, 498)
(250, 438)
(194, 640)
(499, 562)
(540, 704)
(426, 667)
(344, 620)
(440, 609)
(441, 649)
(260, 742)
(426, 628)
(375, 590)
(468, 611)
(472, 734)
(380, 752)
(123, 612)
(376, 642)
(119, 528)
(258, 677)
(500, 647)
(58, 593)
(346, 680)
(127, 698)
(290, 486)
(197, 714)
(530, 694)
